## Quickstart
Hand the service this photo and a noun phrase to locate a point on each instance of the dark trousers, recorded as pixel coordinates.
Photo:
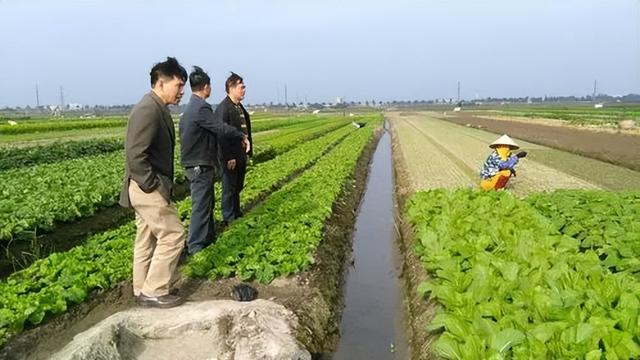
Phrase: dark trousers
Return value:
(201, 229)
(232, 184)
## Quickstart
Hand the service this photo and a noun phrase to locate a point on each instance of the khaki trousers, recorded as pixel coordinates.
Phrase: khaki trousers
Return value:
(159, 241)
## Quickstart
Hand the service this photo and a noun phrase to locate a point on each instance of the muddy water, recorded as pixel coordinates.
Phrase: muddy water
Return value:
(372, 320)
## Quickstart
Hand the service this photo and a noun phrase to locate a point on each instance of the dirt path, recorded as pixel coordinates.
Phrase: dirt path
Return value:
(424, 172)
(614, 148)
(442, 154)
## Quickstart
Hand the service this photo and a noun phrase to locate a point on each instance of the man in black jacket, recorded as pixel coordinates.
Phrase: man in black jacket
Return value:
(199, 131)
(233, 153)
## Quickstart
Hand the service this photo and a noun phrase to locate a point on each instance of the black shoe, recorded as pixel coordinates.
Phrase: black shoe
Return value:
(164, 301)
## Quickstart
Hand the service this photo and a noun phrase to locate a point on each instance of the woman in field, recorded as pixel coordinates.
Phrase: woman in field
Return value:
(500, 165)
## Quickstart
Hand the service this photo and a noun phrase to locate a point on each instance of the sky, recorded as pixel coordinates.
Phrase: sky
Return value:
(101, 52)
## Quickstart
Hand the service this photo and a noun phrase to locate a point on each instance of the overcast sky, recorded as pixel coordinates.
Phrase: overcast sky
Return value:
(101, 51)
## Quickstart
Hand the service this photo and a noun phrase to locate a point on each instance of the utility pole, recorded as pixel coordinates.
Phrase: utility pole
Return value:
(285, 95)
(595, 83)
(37, 97)
(458, 92)
(61, 98)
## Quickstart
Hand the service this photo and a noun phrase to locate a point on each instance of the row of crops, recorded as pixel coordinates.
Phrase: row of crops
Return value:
(579, 116)
(553, 276)
(61, 125)
(36, 197)
(12, 158)
(72, 124)
(297, 189)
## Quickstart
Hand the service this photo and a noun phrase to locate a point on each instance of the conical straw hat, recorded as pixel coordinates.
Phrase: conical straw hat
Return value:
(504, 140)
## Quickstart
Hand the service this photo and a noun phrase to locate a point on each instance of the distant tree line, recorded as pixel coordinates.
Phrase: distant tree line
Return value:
(123, 109)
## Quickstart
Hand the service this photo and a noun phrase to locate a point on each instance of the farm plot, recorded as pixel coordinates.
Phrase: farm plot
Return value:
(428, 167)
(615, 148)
(511, 286)
(536, 275)
(605, 222)
(466, 149)
(11, 157)
(61, 125)
(608, 116)
(34, 198)
(50, 285)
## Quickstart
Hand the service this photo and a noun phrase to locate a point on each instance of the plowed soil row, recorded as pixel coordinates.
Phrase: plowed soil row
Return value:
(441, 154)
(618, 149)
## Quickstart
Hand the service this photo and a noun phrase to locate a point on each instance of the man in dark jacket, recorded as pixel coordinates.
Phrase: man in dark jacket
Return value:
(199, 131)
(147, 187)
(233, 153)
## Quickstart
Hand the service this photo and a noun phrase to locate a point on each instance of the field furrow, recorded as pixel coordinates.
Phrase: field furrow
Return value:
(427, 166)
(467, 148)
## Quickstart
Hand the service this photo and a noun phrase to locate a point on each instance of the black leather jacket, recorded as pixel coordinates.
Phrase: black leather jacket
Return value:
(232, 148)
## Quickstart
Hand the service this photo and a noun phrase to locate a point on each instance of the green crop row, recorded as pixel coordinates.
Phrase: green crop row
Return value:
(288, 129)
(50, 285)
(275, 123)
(281, 140)
(578, 117)
(512, 287)
(62, 124)
(279, 237)
(276, 171)
(606, 222)
(11, 158)
(37, 197)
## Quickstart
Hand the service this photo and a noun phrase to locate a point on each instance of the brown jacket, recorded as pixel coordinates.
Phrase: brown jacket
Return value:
(149, 146)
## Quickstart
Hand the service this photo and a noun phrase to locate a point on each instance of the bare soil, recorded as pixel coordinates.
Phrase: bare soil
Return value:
(442, 154)
(419, 311)
(615, 148)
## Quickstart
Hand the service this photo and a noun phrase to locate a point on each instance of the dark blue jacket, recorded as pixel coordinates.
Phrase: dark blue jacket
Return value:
(200, 132)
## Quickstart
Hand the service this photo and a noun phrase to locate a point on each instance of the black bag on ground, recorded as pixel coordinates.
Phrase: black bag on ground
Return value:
(244, 292)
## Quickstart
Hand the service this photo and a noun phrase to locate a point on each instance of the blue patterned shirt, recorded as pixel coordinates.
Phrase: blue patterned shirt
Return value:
(494, 164)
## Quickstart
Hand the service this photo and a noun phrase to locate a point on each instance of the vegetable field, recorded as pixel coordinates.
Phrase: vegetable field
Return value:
(300, 170)
(512, 284)
(577, 115)
(549, 269)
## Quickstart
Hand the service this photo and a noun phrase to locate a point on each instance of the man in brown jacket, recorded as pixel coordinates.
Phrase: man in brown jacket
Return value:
(147, 187)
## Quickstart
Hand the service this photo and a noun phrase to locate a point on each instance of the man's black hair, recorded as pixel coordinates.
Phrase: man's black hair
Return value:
(233, 80)
(168, 69)
(198, 79)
